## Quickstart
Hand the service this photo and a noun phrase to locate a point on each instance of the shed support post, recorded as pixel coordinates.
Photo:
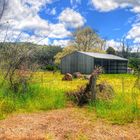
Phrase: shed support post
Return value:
(109, 67)
(114, 66)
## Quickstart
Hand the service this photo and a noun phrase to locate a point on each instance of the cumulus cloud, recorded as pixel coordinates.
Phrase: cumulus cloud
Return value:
(108, 5)
(134, 32)
(22, 15)
(71, 18)
(75, 3)
(105, 6)
(54, 31)
(62, 43)
(18, 36)
(113, 43)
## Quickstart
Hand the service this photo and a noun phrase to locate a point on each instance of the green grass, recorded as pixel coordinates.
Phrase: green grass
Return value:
(38, 98)
(125, 106)
(47, 92)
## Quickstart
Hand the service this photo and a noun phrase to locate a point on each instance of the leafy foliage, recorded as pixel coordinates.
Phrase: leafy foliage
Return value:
(134, 63)
(50, 67)
(86, 39)
(16, 61)
(45, 54)
(111, 50)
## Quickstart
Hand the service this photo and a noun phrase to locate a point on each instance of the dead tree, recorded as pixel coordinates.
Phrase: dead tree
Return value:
(16, 63)
(93, 81)
(3, 4)
(88, 93)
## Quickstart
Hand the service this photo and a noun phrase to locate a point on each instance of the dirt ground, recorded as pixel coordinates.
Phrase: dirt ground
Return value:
(64, 124)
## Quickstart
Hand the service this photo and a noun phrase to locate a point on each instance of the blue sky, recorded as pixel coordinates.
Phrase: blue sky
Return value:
(112, 25)
(52, 21)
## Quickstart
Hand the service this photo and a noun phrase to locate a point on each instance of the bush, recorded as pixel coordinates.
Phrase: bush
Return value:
(104, 91)
(80, 97)
(111, 50)
(134, 63)
(50, 67)
(7, 107)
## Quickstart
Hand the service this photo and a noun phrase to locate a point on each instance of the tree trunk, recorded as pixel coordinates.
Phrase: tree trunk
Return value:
(93, 87)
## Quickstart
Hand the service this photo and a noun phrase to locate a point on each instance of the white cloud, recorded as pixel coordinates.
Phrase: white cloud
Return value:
(104, 5)
(108, 5)
(18, 36)
(62, 43)
(113, 43)
(54, 31)
(137, 40)
(136, 9)
(58, 31)
(53, 11)
(23, 14)
(25, 17)
(75, 3)
(134, 32)
(39, 40)
(71, 18)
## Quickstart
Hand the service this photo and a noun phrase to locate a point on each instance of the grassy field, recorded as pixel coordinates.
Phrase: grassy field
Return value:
(47, 91)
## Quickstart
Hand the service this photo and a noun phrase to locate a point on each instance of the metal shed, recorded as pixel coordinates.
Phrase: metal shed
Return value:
(85, 62)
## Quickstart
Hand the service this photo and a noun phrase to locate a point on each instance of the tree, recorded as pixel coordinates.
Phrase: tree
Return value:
(134, 63)
(86, 39)
(3, 4)
(16, 63)
(125, 48)
(45, 54)
(111, 50)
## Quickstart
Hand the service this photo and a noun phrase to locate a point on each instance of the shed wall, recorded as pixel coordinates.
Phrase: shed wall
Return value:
(85, 63)
(69, 63)
(79, 62)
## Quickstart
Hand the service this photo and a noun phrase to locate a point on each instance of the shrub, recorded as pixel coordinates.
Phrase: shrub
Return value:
(80, 97)
(111, 50)
(104, 91)
(7, 107)
(50, 67)
(134, 63)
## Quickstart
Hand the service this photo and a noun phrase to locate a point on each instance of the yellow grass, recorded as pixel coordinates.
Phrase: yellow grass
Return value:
(122, 83)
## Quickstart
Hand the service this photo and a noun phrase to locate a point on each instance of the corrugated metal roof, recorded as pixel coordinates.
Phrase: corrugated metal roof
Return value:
(103, 56)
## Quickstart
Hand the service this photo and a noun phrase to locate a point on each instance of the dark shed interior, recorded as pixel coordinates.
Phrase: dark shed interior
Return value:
(85, 62)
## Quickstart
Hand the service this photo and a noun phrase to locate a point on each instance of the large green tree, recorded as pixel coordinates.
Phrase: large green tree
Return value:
(87, 39)
(45, 54)
(84, 39)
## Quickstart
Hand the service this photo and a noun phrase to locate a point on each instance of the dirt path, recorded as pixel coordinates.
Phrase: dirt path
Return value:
(65, 124)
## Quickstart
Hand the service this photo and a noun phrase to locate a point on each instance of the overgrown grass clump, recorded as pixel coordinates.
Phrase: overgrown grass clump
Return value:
(36, 99)
(125, 106)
